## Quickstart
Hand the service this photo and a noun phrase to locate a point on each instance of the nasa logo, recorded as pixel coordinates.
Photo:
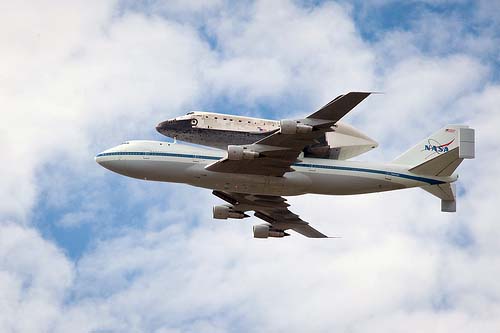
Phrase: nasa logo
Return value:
(436, 147)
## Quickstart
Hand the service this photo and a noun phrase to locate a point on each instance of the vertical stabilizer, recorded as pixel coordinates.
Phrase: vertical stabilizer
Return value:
(441, 153)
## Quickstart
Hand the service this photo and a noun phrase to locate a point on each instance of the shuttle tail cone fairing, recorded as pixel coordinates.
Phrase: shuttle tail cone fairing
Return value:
(439, 155)
(348, 142)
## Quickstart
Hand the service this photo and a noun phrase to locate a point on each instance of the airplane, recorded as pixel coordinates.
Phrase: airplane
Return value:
(256, 176)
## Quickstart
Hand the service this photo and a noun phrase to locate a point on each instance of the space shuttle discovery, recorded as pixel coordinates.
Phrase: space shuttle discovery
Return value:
(221, 130)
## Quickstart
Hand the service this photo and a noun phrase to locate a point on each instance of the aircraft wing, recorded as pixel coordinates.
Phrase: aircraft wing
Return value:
(272, 209)
(340, 106)
(275, 154)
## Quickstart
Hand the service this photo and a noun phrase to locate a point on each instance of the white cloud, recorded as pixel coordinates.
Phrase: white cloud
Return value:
(84, 76)
(315, 50)
(34, 279)
(90, 84)
(420, 96)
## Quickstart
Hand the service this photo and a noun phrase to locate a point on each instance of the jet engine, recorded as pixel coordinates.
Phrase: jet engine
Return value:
(240, 153)
(226, 212)
(265, 231)
(292, 127)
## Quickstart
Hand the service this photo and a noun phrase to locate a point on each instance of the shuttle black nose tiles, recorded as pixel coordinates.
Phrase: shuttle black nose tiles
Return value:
(172, 127)
(160, 126)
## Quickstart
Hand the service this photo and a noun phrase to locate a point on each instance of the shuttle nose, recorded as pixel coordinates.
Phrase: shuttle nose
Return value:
(159, 127)
(165, 126)
(173, 127)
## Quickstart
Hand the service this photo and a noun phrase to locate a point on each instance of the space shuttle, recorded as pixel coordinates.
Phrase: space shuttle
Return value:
(221, 130)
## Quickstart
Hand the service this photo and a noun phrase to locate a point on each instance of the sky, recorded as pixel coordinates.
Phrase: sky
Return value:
(86, 250)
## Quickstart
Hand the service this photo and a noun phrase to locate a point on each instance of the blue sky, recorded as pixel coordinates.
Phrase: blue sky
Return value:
(83, 249)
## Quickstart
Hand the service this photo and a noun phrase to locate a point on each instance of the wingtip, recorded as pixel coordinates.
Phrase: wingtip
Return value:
(366, 92)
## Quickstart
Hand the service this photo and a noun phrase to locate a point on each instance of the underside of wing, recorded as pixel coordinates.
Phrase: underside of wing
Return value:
(262, 167)
(271, 156)
(308, 231)
(275, 154)
(272, 209)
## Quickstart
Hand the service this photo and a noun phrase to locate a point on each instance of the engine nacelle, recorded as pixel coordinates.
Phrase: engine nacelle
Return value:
(265, 231)
(225, 212)
(292, 127)
(240, 153)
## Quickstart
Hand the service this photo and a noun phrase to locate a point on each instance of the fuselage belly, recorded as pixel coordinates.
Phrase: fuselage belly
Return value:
(293, 183)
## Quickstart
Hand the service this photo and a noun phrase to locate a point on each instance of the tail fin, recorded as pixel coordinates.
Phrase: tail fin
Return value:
(441, 153)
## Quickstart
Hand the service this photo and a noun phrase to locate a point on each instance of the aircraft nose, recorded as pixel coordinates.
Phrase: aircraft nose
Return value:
(174, 126)
(100, 159)
(165, 125)
(112, 161)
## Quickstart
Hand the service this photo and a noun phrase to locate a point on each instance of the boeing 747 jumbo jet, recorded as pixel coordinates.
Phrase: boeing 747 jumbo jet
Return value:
(254, 176)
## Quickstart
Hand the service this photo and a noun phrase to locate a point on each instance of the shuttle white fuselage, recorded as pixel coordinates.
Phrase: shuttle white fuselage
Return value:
(220, 130)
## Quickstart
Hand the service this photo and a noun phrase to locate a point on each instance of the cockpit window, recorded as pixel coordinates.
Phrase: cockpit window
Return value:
(187, 114)
(125, 143)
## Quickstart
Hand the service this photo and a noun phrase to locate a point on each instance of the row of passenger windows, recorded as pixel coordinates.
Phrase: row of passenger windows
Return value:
(217, 158)
(149, 153)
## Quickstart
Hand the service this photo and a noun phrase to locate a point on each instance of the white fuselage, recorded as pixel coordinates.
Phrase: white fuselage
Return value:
(170, 162)
(220, 130)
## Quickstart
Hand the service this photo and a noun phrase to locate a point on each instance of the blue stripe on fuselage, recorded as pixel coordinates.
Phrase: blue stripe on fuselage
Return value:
(303, 165)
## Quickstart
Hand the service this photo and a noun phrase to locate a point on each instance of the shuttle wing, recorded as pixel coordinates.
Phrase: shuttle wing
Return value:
(275, 154)
(272, 209)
